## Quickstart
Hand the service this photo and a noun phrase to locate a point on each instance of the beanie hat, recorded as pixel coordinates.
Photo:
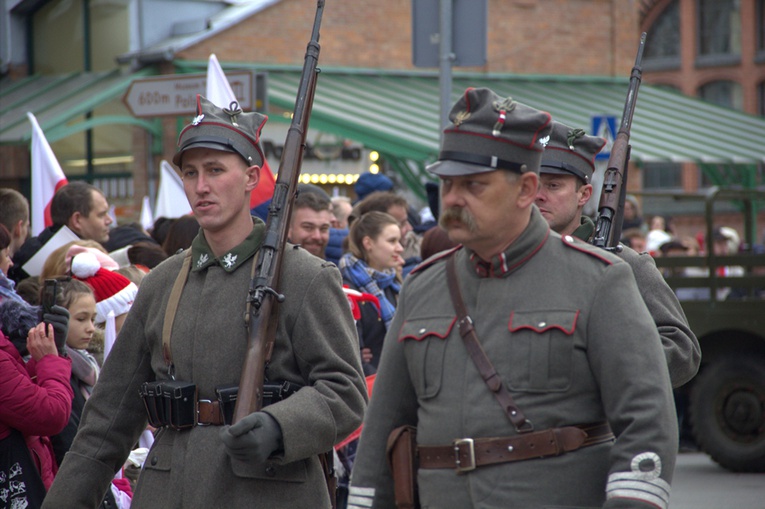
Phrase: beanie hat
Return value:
(489, 133)
(369, 183)
(226, 129)
(571, 152)
(113, 291)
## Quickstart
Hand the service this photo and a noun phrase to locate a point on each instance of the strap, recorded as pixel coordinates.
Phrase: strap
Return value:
(174, 301)
(482, 362)
(466, 454)
(172, 309)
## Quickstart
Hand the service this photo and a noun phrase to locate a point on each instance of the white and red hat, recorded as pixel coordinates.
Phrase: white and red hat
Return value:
(113, 291)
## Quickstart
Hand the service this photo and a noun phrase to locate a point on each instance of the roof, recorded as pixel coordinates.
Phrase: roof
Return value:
(230, 15)
(58, 100)
(397, 112)
(400, 111)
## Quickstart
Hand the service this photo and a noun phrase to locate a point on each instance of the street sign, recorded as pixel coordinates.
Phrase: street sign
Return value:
(605, 127)
(176, 94)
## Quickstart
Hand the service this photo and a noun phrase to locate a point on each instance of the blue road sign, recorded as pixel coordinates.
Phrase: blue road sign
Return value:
(605, 127)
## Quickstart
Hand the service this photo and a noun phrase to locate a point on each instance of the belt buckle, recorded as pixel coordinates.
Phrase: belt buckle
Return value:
(459, 467)
(198, 402)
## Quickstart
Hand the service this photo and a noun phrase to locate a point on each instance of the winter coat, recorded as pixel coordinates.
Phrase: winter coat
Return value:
(37, 410)
(565, 327)
(316, 347)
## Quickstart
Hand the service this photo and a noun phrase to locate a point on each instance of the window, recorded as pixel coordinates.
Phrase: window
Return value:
(761, 99)
(723, 93)
(719, 32)
(662, 176)
(662, 46)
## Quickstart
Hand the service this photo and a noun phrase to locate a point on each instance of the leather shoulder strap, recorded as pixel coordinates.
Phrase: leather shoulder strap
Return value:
(477, 353)
(172, 308)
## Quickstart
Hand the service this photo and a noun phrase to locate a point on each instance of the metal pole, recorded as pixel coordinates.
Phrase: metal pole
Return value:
(445, 60)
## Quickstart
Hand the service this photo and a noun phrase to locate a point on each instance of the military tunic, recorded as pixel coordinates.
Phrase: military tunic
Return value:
(316, 346)
(565, 327)
(681, 348)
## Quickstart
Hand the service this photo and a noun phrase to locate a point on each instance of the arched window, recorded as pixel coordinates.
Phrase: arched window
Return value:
(723, 93)
(662, 46)
(719, 31)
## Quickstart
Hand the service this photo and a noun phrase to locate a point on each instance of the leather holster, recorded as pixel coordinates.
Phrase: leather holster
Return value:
(401, 451)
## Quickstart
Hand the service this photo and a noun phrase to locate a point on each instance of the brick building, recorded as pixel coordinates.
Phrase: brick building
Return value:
(542, 42)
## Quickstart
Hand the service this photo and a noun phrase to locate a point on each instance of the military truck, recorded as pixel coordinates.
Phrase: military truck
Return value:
(726, 399)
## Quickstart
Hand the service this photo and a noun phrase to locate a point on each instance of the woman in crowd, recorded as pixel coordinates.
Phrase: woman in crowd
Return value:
(370, 266)
(35, 401)
(7, 286)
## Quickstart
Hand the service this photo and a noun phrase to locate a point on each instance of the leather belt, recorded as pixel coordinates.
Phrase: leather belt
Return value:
(208, 413)
(465, 454)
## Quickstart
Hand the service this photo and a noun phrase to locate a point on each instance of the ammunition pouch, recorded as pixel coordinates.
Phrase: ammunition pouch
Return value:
(175, 404)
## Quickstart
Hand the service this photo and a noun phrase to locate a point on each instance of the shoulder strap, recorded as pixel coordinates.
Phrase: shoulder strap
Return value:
(174, 301)
(172, 309)
(482, 362)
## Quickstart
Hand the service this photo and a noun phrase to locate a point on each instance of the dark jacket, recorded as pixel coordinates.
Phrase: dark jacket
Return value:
(27, 251)
(335, 245)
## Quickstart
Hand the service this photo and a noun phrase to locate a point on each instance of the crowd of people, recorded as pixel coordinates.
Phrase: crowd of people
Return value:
(372, 294)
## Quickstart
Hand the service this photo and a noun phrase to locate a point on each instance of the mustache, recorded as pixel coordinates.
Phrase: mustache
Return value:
(456, 214)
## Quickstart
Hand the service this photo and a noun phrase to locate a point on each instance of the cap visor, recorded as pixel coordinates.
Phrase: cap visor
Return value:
(200, 144)
(556, 171)
(449, 168)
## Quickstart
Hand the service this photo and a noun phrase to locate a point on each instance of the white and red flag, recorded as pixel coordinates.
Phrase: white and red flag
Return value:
(219, 93)
(47, 178)
(171, 198)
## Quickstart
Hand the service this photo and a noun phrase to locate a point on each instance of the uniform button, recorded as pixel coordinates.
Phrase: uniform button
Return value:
(423, 331)
(542, 324)
(270, 471)
(154, 460)
(569, 238)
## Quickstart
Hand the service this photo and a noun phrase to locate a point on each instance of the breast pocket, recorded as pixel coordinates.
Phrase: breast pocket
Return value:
(425, 346)
(541, 350)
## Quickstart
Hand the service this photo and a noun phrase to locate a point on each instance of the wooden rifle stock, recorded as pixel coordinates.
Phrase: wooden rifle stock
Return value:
(608, 226)
(263, 295)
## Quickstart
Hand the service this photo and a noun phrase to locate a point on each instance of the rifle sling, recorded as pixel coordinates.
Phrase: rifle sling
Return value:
(482, 362)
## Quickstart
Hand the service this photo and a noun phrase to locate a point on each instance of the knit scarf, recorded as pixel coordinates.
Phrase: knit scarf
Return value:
(84, 368)
(372, 281)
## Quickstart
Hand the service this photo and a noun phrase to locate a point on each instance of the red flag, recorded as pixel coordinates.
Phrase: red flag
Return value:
(47, 178)
(265, 189)
(219, 92)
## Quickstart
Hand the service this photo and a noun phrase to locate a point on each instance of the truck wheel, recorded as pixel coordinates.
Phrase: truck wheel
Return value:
(727, 412)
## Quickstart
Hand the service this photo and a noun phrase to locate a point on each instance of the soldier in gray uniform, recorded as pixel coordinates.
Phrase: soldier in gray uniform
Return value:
(565, 177)
(562, 322)
(269, 458)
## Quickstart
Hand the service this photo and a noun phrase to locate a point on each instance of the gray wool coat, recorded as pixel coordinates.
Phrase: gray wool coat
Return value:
(316, 346)
(567, 331)
(681, 348)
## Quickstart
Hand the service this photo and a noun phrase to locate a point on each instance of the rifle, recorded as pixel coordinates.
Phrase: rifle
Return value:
(263, 294)
(608, 226)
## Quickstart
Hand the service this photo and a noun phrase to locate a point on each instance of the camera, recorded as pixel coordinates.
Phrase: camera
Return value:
(49, 295)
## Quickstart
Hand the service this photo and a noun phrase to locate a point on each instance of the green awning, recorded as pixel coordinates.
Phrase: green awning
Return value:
(396, 112)
(60, 101)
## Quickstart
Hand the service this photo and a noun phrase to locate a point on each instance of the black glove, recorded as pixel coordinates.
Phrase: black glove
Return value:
(59, 319)
(254, 438)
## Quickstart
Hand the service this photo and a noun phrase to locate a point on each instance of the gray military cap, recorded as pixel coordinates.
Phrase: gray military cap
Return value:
(227, 129)
(571, 151)
(489, 133)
